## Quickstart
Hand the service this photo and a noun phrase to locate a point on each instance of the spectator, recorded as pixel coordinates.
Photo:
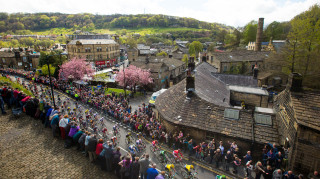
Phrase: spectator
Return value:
(228, 159)
(288, 175)
(217, 156)
(76, 138)
(108, 155)
(144, 164)
(2, 106)
(236, 164)
(92, 144)
(62, 125)
(135, 168)
(55, 124)
(277, 174)
(268, 173)
(81, 142)
(116, 159)
(125, 167)
(247, 157)
(152, 172)
(221, 147)
(161, 175)
(258, 169)
(249, 168)
(278, 159)
(86, 142)
(314, 175)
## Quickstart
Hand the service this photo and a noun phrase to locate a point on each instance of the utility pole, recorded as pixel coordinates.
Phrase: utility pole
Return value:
(124, 82)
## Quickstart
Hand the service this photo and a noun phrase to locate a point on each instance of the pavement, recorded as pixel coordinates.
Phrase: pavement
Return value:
(28, 150)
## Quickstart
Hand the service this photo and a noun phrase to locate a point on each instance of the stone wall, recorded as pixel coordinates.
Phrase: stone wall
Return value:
(306, 157)
(250, 99)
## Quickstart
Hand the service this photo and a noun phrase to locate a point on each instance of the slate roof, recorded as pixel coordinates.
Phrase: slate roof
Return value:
(303, 107)
(154, 67)
(241, 56)
(238, 80)
(170, 62)
(210, 88)
(93, 41)
(176, 108)
(6, 54)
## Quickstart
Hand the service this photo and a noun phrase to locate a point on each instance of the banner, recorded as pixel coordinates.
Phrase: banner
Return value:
(100, 63)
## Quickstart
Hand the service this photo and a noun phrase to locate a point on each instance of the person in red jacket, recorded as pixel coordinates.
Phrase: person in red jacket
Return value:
(99, 147)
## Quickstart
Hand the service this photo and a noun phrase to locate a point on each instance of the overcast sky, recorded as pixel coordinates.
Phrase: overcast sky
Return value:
(230, 12)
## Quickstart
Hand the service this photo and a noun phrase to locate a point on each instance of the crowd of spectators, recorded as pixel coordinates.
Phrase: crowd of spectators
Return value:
(272, 164)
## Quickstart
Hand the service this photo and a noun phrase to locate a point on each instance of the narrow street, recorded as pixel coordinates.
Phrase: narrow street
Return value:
(202, 170)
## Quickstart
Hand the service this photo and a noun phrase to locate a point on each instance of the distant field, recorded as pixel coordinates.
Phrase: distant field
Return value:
(141, 31)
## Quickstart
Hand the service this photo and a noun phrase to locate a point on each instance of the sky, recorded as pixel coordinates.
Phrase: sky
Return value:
(235, 13)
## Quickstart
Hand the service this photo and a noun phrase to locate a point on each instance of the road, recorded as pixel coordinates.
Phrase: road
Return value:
(203, 170)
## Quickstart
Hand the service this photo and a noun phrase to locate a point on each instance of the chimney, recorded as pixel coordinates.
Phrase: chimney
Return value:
(255, 72)
(190, 86)
(294, 82)
(204, 58)
(257, 46)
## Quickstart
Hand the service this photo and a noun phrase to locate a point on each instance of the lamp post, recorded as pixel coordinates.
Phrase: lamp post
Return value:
(124, 82)
(52, 94)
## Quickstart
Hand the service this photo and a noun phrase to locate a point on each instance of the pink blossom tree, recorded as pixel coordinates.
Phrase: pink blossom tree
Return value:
(75, 68)
(133, 76)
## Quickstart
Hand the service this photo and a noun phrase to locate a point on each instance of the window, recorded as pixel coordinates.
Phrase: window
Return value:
(225, 68)
(107, 49)
(263, 119)
(231, 114)
(88, 49)
(211, 59)
(99, 49)
(78, 50)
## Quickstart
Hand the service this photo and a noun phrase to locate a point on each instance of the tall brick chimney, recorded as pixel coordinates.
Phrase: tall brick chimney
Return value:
(257, 46)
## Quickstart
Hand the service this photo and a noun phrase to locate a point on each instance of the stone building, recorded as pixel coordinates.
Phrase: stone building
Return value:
(228, 62)
(103, 52)
(19, 59)
(132, 54)
(165, 71)
(159, 73)
(298, 116)
(209, 113)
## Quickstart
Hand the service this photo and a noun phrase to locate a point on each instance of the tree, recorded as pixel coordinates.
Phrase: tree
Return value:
(133, 76)
(131, 42)
(162, 53)
(250, 31)
(55, 58)
(195, 48)
(76, 68)
(301, 53)
(45, 71)
(185, 59)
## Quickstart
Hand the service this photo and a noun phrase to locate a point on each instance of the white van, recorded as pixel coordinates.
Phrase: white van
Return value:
(154, 96)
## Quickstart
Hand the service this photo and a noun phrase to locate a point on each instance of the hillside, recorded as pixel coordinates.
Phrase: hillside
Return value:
(89, 22)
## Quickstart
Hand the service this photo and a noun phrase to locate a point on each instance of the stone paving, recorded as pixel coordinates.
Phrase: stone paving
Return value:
(28, 150)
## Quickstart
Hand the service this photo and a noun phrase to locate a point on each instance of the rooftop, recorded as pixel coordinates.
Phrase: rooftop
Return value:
(239, 80)
(153, 67)
(250, 90)
(241, 56)
(92, 41)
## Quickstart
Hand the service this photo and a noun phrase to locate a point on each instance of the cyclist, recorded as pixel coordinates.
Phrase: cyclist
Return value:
(163, 155)
(114, 140)
(139, 144)
(133, 149)
(115, 129)
(155, 145)
(104, 132)
(128, 137)
(169, 168)
(176, 155)
(188, 168)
